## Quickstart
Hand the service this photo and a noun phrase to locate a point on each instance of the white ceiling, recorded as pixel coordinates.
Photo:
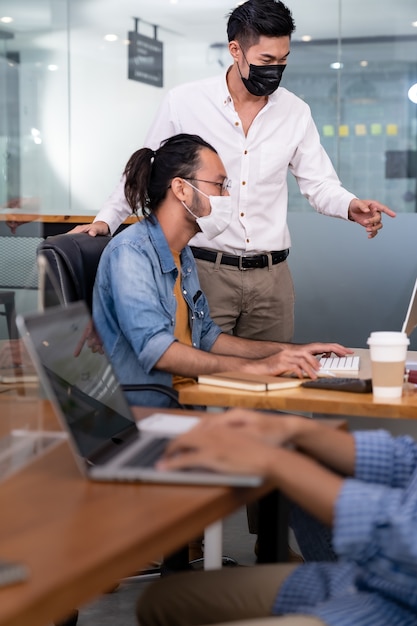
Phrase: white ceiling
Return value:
(206, 19)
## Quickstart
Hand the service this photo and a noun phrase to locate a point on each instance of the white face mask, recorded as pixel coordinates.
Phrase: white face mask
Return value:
(218, 219)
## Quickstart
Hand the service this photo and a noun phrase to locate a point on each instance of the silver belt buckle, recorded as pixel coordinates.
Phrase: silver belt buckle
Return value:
(240, 266)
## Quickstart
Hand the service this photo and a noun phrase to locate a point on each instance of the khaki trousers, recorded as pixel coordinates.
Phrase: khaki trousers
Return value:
(254, 304)
(218, 597)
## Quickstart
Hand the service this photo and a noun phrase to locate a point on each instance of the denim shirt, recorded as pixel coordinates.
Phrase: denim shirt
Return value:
(134, 306)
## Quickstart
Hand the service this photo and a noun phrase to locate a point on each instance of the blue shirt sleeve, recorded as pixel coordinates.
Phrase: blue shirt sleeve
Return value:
(374, 523)
(384, 459)
(140, 308)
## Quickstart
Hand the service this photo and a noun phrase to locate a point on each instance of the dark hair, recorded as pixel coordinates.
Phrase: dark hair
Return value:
(254, 18)
(149, 173)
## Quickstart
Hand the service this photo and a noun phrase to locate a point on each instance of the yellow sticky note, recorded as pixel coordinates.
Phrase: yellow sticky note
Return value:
(392, 129)
(360, 129)
(376, 129)
(328, 130)
(343, 130)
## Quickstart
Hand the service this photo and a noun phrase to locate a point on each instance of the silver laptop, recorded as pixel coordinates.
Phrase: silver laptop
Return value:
(91, 405)
(410, 321)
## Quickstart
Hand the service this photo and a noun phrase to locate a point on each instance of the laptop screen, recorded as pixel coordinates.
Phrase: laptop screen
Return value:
(410, 321)
(78, 378)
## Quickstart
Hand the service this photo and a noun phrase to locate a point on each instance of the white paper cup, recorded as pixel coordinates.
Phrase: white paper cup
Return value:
(388, 353)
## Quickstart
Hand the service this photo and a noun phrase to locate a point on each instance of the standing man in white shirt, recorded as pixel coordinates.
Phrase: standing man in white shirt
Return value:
(261, 131)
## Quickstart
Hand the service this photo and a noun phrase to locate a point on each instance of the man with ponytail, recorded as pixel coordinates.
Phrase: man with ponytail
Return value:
(148, 306)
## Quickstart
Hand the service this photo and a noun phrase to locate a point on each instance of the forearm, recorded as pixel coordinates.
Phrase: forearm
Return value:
(246, 348)
(115, 209)
(184, 360)
(332, 447)
(307, 483)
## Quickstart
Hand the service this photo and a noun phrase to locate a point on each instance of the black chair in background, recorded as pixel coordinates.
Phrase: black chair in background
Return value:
(7, 300)
(18, 275)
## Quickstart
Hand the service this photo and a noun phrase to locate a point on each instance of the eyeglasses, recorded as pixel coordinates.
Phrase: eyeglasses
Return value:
(224, 186)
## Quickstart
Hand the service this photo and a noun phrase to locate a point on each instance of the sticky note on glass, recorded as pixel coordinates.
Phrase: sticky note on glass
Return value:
(328, 130)
(376, 129)
(392, 129)
(344, 130)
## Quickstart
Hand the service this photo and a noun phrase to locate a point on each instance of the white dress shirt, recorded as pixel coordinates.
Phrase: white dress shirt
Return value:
(282, 136)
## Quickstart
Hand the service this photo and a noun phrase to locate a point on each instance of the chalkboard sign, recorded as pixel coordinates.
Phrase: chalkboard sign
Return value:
(145, 58)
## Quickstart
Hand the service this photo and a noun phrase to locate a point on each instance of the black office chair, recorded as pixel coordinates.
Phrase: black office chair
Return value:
(67, 270)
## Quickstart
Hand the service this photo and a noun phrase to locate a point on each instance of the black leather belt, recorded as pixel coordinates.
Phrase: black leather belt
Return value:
(242, 262)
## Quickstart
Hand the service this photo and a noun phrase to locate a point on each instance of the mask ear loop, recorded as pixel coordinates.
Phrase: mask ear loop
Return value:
(188, 209)
(237, 63)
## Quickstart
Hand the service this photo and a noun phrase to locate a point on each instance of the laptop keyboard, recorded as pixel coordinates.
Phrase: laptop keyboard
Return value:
(340, 364)
(149, 454)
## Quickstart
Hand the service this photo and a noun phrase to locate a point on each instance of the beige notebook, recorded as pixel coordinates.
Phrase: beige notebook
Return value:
(248, 382)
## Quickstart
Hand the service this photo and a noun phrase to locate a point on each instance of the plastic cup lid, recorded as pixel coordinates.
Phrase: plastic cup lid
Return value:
(388, 338)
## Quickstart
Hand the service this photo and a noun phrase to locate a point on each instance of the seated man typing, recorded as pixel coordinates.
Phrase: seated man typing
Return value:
(148, 306)
(363, 485)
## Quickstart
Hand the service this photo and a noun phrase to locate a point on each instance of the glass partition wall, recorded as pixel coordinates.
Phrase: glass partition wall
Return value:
(71, 112)
(70, 116)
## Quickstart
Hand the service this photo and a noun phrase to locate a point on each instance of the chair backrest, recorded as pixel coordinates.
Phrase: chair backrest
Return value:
(70, 269)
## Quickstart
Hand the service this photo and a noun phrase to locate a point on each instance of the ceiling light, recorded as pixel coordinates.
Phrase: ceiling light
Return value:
(306, 38)
(414, 24)
(412, 93)
(110, 37)
(36, 136)
(6, 20)
(363, 63)
(336, 66)
(52, 67)
(173, 1)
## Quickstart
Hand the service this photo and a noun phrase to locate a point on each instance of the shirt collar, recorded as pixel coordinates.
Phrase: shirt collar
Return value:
(224, 91)
(160, 244)
(163, 251)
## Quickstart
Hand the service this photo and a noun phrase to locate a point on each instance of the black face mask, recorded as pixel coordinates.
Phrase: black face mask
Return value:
(263, 79)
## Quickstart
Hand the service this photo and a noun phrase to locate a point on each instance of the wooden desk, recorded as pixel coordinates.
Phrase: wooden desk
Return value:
(309, 400)
(23, 224)
(78, 537)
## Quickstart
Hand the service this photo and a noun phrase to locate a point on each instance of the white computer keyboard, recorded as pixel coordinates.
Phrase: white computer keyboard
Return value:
(339, 365)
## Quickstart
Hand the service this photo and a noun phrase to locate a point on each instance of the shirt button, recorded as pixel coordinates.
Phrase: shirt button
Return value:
(184, 291)
(242, 215)
(237, 124)
(195, 345)
(247, 240)
(245, 152)
(243, 182)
